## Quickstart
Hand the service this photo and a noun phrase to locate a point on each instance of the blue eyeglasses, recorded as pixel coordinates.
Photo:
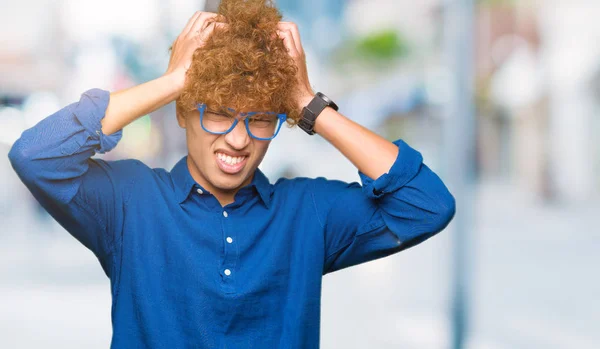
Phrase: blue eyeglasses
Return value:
(263, 126)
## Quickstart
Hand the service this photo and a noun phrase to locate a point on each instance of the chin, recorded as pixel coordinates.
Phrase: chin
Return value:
(227, 182)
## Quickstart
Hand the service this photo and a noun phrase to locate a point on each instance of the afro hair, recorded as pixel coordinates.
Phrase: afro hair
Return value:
(244, 64)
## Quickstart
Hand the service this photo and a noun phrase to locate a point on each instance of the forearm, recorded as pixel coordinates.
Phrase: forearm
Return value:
(414, 202)
(370, 153)
(52, 156)
(127, 105)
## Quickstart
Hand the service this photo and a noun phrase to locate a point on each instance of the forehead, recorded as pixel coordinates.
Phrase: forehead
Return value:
(236, 110)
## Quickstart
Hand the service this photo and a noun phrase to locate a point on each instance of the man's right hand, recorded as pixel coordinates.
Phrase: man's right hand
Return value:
(129, 104)
(193, 36)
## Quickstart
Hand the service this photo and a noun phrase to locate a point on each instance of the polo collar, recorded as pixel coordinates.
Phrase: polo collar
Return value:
(184, 182)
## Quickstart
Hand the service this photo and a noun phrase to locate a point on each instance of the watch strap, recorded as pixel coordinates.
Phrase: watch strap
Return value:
(312, 111)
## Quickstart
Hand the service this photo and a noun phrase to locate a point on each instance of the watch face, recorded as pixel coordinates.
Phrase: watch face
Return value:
(325, 98)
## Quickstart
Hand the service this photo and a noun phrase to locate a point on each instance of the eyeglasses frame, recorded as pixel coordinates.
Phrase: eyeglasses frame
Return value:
(281, 116)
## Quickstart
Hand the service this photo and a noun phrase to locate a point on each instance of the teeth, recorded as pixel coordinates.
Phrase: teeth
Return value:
(228, 159)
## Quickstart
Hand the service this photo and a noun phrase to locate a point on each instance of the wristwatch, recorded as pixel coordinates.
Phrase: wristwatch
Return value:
(312, 110)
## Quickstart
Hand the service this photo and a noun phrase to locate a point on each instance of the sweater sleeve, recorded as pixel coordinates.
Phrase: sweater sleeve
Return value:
(53, 159)
(379, 217)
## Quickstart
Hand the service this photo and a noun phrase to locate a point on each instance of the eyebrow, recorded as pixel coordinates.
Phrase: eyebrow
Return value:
(217, 112)
(223, 113)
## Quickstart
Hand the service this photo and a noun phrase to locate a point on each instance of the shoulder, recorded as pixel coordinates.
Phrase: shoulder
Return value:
(128, 175)
(120, 169)
(321, 191)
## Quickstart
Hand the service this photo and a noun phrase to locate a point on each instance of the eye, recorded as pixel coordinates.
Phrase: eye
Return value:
(217, 115)
(262, 120)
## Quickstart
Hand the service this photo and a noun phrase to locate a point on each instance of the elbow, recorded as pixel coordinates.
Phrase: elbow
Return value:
(446, 211)
(16, 155)
(19, 159)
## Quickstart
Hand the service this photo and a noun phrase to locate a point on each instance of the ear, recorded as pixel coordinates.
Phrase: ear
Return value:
(181, 119)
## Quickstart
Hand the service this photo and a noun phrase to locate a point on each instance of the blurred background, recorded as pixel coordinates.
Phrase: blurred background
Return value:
(501, 97)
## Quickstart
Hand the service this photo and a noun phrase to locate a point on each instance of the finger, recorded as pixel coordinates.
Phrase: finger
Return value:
(201, 22)
(210, 28)
(293, 28)
(198, 24)
(190, 23)
(288, 41)
(204, 34)
(216, 25)
(219, 25)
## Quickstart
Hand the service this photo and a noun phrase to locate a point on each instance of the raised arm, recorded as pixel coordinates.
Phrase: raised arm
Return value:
(54, 157)
(129, 104)
(400, 203)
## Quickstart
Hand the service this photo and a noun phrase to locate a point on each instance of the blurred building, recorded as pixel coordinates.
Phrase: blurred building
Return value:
(537, 68)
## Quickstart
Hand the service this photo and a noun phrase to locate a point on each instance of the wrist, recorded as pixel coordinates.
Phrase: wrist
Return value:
(177, 79)
(327, 119)
(315, 106)
(304, 99)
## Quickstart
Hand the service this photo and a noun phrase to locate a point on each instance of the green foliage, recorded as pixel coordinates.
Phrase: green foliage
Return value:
(377, 48)
(383, 45)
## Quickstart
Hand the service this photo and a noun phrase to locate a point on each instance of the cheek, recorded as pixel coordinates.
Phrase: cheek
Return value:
(261, 149)
(199, 142)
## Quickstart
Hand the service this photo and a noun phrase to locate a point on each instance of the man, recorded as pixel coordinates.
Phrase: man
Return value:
(211, 254)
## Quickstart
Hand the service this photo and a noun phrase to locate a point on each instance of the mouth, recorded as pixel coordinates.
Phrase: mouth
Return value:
(230, 164)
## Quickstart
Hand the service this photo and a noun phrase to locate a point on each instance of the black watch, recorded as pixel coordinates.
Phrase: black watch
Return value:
(312, 110)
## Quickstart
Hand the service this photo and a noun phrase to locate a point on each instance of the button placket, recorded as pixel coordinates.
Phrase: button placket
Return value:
(229, 254)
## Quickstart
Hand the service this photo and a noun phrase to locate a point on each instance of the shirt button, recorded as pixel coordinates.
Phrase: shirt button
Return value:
(229, 239)
(225, 214)
(227, 272)
(199, 191)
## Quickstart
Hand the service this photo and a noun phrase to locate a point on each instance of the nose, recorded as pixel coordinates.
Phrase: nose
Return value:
(238, 138)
